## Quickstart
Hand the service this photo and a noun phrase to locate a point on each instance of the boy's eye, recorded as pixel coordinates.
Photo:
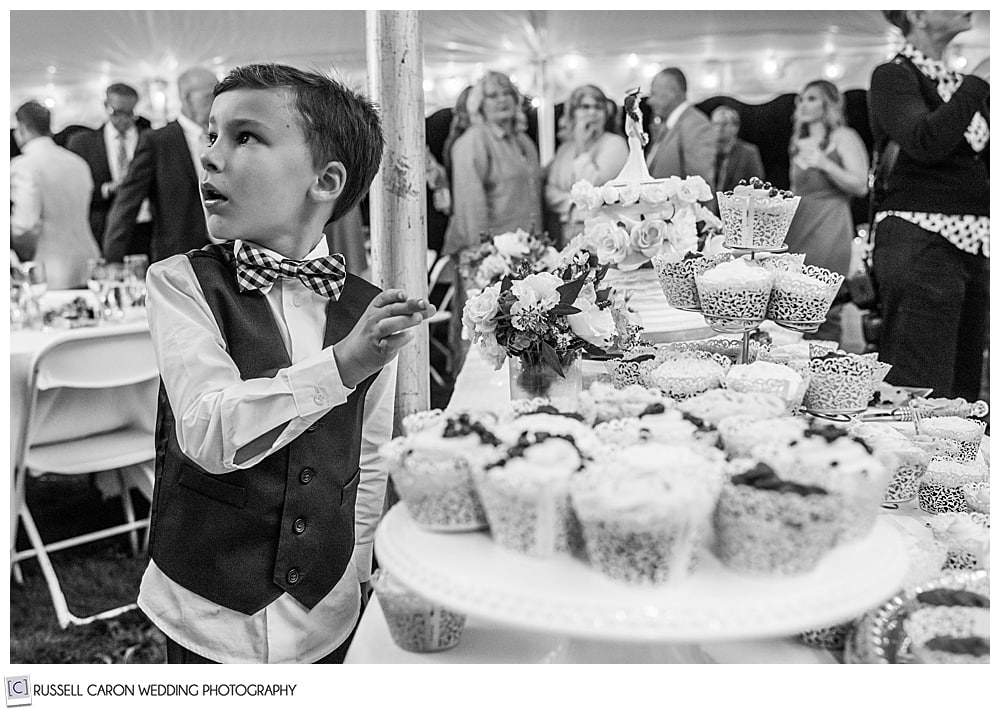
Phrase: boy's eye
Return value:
(210, 138)
(245, 138)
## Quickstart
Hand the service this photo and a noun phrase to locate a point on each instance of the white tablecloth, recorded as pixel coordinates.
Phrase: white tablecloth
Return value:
(479, 386)
(62, 416)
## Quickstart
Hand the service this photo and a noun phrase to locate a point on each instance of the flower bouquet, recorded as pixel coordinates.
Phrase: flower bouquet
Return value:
(629, 223)
(543, 322)
(517, 253)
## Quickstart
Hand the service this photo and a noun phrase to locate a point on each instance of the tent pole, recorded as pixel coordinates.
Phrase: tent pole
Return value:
(398, 238)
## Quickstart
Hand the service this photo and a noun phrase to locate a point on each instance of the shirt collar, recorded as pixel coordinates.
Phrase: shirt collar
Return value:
(675, 115)
(111, 133)
(931, 67)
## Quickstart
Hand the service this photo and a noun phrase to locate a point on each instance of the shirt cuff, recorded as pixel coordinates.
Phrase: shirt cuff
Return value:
(316, 385)
(363, 560)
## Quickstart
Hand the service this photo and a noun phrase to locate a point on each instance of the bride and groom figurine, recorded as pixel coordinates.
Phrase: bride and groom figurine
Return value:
(635, 169)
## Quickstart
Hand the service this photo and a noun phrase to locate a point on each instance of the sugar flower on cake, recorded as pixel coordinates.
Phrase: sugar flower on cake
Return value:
(628, 223)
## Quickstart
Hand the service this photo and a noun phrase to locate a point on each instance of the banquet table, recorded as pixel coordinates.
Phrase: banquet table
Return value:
(486, 642)
(62, 416)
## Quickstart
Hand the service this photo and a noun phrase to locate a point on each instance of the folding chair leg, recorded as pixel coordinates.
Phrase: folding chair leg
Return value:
(55, 591)
(133, 536)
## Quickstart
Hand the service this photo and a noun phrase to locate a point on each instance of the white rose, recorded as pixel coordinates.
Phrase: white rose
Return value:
(694, 188)
(535, 290)
(629, 193)
(610, 241)
(609, 194)
(660, 191)
(586, 196)
(483, 307)
(592, 324)
(647, 237)
(512, 244)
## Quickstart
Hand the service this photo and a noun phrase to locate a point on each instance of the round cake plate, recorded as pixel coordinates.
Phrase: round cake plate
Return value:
(732, 324)
(800, 326)
(743, 249)
(470, 573)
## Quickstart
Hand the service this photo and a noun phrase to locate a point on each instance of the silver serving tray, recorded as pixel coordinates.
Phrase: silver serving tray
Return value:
(879, 637)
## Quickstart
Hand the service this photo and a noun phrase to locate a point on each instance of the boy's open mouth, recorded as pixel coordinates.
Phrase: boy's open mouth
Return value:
(210, 196)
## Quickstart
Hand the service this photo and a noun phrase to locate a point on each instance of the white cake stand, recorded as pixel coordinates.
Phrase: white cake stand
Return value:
(468, 572)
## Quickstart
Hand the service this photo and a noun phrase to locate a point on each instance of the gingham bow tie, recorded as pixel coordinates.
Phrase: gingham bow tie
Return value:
(256, 270)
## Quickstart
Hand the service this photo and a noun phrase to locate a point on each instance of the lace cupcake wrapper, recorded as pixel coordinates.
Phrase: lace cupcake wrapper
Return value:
(677, 278)
(801, 304)
(751, 222)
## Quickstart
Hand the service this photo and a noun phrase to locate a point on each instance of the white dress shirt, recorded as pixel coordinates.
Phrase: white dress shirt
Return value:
(111, 140)
(217, 415)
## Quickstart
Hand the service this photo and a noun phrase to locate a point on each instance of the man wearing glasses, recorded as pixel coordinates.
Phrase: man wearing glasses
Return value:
(108, 151)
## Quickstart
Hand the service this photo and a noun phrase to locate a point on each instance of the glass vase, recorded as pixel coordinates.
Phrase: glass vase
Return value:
(532, 377)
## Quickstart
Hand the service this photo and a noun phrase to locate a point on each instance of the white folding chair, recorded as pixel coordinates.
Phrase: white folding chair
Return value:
(82, 365)
(443, 315)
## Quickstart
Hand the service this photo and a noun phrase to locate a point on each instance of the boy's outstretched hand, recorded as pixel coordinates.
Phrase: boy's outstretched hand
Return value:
(376, 338)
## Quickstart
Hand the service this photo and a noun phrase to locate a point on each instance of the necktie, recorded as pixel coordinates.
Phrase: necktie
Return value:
(123, 159)
(257, 271)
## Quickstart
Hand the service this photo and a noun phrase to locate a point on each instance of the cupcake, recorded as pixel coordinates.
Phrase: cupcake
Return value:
(740, 434)
(842, 464)
(432, 471)
(840, 383)
(646, 511)
(966, 536)
(926, 558)
(525, 494)
(683, 376)
(977, 496)
(602, 402)
(730, 348)
(802, 299)
(771, 378)
(906, 461)
(712, 406)
(769, 524)
(677, 277)
(966, 433)
(415, 623)
(734, 294)
(787, 262)
(625, 371)
(755, 214)
(831, 637)
(942, 488)
(949, 626)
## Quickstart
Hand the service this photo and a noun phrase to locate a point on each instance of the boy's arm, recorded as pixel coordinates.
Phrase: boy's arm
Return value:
(379, 404)
(223, 422)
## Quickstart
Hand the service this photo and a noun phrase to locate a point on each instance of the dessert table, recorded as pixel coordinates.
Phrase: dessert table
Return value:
(63, 417)
(486, 641)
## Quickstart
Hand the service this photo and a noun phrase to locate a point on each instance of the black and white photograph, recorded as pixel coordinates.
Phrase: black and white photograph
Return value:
(495, 337)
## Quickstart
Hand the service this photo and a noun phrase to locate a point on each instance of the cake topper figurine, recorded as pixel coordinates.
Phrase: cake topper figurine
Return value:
(635, 169)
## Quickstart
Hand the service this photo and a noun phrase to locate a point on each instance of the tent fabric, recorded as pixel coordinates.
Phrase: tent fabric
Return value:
(69, 57)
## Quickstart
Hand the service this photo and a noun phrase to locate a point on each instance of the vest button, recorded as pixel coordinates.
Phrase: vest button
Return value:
(292, 576)
(313, 427)
(306, 475)
(299, 526)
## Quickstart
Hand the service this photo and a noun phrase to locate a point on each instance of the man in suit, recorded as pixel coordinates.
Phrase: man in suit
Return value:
(49, 198)
(108, 151)
(735, 160)
(165, 170)
(683, 140)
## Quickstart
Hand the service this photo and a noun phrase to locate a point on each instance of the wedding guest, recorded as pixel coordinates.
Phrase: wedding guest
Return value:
(683, 140)
(829, 167)
(591, 152)
(50, 191)
(278, 371)
(164, 170)
(496, 181)
(735, 159)
(108, 151)
(932, 221)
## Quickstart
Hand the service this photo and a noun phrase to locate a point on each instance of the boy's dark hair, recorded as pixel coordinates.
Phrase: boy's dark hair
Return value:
(899, 19)
(339, 124)
(35, 117)
(122, 89)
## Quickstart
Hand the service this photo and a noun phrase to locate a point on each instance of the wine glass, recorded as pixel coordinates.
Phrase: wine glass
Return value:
(38, 282)
(115, 291)
(135, 278)
(96, 282)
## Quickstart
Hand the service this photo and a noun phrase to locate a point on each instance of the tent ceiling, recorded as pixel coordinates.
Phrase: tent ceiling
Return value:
(71, 55)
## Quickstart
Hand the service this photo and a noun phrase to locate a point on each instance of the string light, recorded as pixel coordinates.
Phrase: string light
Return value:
(573, 61)
(428, 85)
(633, 60)
(833, 69)
(770, 66)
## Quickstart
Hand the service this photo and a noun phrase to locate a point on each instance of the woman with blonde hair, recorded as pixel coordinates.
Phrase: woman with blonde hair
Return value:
(496, 175)
(829, 167)
(589, 152)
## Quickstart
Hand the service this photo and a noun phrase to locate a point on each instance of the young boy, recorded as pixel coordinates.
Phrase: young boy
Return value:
(278, 384)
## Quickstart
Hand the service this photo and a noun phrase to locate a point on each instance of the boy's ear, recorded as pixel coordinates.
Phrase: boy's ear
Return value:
(329, 183)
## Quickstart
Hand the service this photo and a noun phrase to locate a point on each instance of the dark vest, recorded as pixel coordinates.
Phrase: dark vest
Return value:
(243, 538)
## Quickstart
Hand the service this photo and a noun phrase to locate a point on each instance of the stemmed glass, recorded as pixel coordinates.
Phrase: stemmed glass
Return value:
(97, 282)
(135, 279)
(35, 283)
